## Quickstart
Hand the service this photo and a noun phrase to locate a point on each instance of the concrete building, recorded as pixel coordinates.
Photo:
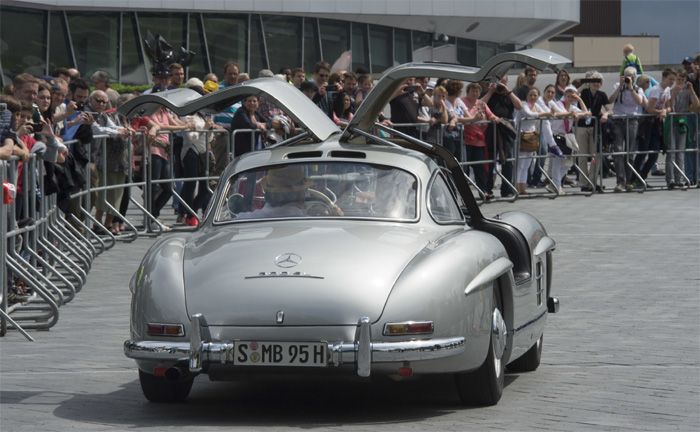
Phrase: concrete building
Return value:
(40, 35)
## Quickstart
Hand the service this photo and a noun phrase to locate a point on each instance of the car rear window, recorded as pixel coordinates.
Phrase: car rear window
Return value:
(320, 190)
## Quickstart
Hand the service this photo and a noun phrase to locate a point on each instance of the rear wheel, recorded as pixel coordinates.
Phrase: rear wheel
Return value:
(529, 361)
(484, 386)
(160, 389)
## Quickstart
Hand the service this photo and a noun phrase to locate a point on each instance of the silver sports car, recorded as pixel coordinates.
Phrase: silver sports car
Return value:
(358, 251)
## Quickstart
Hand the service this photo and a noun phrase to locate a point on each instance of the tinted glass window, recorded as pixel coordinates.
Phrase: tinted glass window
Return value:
(359, 46)
(257, 48)
(25, 33)
(312, 53)
(466, 52)
(441, 203)
(335, 39)
(381, 48)
(227, 38)
(95, 39)
(334, 189)
(133, 67)
(199, 66)
(484, 51)
(402, 46)
(282, 35)
(59, 45)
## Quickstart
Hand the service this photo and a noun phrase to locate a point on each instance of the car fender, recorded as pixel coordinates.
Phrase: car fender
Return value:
(158, 291)
(530, 317)
(432, 288)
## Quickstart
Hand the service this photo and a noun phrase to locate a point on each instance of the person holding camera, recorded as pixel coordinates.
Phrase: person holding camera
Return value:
(628, 103)
(406, 104)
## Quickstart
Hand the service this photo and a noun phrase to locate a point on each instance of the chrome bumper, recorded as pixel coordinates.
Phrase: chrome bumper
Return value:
(362, 352)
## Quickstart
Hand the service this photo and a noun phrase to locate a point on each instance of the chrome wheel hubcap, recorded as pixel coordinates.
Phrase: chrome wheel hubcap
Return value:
(498, 338)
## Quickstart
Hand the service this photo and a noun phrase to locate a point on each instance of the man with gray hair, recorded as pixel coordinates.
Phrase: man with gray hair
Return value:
(101, 79)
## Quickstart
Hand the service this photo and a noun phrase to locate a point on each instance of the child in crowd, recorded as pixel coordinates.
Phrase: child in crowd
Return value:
(630, 59)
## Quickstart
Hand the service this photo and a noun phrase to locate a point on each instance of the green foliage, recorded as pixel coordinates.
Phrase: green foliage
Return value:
(129, 88)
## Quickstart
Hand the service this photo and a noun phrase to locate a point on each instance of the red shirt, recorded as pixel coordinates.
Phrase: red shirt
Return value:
(475, 134)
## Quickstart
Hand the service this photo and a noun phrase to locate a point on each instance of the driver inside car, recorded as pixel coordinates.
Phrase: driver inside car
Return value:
(288, 194)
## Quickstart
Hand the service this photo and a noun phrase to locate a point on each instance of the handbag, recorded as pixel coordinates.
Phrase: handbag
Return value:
(529, 141)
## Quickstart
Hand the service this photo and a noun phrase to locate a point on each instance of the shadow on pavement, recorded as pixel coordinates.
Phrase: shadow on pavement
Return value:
(303, 403)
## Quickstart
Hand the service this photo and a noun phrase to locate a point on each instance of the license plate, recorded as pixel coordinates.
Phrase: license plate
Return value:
(298, 354)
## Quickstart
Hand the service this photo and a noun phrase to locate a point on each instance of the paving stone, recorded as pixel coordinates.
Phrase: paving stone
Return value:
(623, 354)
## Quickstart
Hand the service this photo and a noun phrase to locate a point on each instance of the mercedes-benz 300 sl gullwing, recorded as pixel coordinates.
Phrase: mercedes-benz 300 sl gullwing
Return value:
(359, 251)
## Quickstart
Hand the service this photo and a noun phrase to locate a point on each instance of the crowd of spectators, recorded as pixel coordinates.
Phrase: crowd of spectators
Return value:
(552, 125)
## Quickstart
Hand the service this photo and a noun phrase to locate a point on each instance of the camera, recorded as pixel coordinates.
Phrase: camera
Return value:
(410, 89)
(628, 80)
(79, 106)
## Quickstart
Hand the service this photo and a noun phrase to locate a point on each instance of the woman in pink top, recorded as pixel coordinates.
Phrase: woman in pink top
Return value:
(475, 136)
(161, 121)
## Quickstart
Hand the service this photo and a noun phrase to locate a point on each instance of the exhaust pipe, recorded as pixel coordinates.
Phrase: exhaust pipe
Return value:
(174, 374)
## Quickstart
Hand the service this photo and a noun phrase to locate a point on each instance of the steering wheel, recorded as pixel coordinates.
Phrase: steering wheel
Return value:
(321, 205)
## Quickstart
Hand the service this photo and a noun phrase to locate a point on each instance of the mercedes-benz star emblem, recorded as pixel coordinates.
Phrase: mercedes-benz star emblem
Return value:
(287, 260)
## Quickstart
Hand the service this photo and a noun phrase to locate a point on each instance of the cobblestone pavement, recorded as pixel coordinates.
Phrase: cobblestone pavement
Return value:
(622, 354)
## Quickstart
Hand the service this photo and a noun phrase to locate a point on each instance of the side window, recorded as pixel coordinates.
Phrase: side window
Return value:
(441, 202)
(453, 188)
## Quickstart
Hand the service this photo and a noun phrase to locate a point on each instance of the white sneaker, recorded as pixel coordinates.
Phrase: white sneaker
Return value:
(160, 227)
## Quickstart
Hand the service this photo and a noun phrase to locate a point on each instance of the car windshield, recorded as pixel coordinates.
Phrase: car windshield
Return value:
(320, 190)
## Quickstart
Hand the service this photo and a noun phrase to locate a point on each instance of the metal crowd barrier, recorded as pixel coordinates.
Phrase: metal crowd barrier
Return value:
(628, 152)
(51, 252)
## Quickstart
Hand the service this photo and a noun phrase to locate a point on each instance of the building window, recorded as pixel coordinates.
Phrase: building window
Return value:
(59, 43)
(227, 39)
(23, 38)
(258, 58)
(312, 45)
(200, 64)
(95, 37)
(360, 55)
(484, 51)
(381, 49)
(466, 52)
(283, 40)
(422, 40)
(335, 39)
(133, 68)
(402, 46)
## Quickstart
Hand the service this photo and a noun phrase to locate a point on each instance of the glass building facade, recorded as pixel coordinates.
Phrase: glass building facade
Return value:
(38, 41)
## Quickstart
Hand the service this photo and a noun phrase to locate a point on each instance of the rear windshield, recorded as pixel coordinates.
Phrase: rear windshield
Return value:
(320, 190)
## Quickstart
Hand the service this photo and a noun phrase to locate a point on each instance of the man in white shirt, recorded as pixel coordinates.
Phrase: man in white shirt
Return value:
(659, 104)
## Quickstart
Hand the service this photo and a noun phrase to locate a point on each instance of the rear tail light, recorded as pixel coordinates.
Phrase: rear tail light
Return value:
(408, 328)
(159, 329)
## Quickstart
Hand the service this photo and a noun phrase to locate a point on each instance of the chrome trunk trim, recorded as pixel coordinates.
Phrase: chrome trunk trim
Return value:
(362, 352)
